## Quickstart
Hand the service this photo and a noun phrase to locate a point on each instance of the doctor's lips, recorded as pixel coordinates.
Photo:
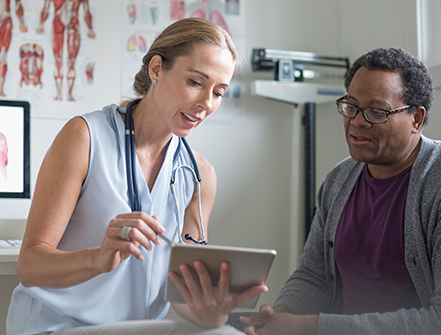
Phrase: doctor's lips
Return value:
(190, 117)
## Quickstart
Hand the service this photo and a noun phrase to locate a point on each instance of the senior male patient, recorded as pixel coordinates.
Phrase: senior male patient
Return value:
(372, 261)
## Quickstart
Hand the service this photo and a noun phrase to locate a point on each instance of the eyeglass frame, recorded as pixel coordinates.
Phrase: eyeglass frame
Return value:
(358, 109)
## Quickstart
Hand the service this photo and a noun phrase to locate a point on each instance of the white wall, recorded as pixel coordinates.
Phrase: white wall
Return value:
(253, 160)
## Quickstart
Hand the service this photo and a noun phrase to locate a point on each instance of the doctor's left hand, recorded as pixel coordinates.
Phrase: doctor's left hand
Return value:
(210, 305)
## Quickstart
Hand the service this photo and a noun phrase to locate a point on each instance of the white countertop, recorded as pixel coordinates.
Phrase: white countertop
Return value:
(8, 260)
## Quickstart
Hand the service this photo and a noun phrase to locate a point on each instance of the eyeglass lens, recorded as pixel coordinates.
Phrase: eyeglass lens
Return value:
(371, 115)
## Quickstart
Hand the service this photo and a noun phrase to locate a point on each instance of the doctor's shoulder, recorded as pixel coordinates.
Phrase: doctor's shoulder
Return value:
(71, 145)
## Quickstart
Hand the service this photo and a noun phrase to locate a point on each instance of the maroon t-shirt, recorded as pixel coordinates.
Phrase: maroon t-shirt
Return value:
(369, 247)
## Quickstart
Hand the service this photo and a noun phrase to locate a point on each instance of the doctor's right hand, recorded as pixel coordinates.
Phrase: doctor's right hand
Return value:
(123, 237)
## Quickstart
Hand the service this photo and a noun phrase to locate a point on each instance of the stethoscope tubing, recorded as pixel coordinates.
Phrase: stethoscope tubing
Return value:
(130, 145)
(133, 193)
(198, 190)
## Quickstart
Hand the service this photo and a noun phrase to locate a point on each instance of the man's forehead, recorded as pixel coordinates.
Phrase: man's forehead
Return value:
(377, 79)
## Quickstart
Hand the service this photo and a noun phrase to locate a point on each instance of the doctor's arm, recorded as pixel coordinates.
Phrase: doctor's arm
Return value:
(61, 176)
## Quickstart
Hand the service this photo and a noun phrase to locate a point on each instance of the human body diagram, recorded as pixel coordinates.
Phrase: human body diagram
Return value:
(66, 28)
(6, 35)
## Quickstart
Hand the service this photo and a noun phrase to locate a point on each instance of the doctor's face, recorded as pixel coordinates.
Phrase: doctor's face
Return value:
(193, 88)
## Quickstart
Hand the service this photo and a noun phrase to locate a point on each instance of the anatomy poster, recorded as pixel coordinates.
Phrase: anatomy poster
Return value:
(47, 54)
(144, 19)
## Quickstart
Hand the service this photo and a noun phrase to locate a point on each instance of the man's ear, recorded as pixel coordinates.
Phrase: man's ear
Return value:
(418, 118)
(155, 67)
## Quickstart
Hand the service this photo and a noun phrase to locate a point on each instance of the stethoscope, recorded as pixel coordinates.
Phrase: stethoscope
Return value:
(133, 193)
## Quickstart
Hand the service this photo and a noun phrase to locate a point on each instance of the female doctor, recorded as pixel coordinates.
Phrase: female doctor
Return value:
(91, 258)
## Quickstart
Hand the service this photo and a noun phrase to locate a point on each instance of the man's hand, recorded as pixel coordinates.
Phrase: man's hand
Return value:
(271, 322)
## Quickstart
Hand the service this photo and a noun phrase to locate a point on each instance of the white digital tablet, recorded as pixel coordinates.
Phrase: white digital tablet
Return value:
(248, 266)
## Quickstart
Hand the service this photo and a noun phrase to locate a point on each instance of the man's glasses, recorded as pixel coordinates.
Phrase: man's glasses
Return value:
(372, 115)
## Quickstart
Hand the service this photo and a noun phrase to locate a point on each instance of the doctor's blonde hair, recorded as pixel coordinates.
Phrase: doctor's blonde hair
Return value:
(180, 39)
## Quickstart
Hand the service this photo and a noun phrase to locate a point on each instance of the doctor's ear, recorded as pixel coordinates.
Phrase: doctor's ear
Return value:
(155, 66)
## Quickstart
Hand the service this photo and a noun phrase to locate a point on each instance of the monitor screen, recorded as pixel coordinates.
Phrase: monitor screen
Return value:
(14, 149)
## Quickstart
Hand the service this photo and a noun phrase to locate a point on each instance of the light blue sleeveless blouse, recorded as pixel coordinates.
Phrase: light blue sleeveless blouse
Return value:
(135, 289)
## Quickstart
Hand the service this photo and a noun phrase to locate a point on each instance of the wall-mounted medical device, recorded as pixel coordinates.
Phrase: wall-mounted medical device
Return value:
(298, 65)
(302, 79)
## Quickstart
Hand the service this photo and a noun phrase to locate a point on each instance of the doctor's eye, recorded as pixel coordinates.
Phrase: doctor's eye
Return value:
(218, 94)
(194, 82)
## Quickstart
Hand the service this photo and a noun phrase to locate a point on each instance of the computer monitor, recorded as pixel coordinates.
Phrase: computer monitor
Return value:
(15, 191)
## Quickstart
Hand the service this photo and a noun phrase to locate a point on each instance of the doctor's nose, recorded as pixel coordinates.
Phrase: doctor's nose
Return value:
(205, 101)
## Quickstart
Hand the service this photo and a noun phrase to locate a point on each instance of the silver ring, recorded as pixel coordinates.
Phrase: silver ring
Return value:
(125, 231)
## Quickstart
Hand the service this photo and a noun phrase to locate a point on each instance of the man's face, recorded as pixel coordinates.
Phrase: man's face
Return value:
(386, 144)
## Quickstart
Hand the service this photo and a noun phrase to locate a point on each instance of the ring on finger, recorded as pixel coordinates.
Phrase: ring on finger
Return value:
(125, 231)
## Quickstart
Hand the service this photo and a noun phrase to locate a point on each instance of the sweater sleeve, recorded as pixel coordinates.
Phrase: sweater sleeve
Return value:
(402, 322)
(307, 290)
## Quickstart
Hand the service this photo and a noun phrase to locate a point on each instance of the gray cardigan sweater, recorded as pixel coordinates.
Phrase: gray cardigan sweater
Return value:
(315, 287)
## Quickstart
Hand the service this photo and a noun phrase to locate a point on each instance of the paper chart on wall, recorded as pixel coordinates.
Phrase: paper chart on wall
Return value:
(143, 20)
(50, 55)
